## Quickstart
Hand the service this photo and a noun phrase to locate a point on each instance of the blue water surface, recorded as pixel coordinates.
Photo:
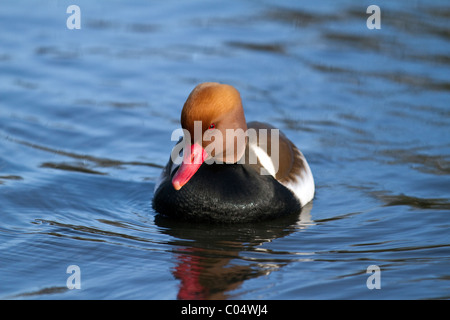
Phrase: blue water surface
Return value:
(86, 117)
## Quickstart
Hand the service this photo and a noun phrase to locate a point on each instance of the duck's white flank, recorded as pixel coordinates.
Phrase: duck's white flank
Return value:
(264, 159)
(303, 185)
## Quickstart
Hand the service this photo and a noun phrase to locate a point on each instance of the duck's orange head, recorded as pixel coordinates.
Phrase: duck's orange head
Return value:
(213, 111)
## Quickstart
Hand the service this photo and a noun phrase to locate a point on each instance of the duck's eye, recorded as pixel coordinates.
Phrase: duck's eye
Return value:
(212, 126)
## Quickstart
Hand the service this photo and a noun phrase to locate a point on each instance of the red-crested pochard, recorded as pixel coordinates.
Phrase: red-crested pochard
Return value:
(232, 171)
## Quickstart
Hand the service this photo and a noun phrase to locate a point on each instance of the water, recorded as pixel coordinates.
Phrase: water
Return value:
(85, 123)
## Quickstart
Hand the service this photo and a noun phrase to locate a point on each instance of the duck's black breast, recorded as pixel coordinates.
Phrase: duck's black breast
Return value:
(226, 193)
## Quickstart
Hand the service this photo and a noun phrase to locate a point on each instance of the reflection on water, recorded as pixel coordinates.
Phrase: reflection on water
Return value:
(85, 123)
(208, 257)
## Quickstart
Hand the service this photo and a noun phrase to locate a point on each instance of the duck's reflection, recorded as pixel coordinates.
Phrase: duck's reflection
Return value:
(212, 260)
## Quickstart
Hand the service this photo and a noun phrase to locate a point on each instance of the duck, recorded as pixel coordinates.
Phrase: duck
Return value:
(224, 169)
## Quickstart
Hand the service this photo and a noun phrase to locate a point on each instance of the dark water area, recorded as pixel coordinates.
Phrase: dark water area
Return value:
(86, 118)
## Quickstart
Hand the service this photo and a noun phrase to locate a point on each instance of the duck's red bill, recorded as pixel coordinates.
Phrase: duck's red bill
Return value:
(191, 163)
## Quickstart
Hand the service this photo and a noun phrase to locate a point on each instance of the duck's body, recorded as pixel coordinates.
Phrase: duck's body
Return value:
(253, 182)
